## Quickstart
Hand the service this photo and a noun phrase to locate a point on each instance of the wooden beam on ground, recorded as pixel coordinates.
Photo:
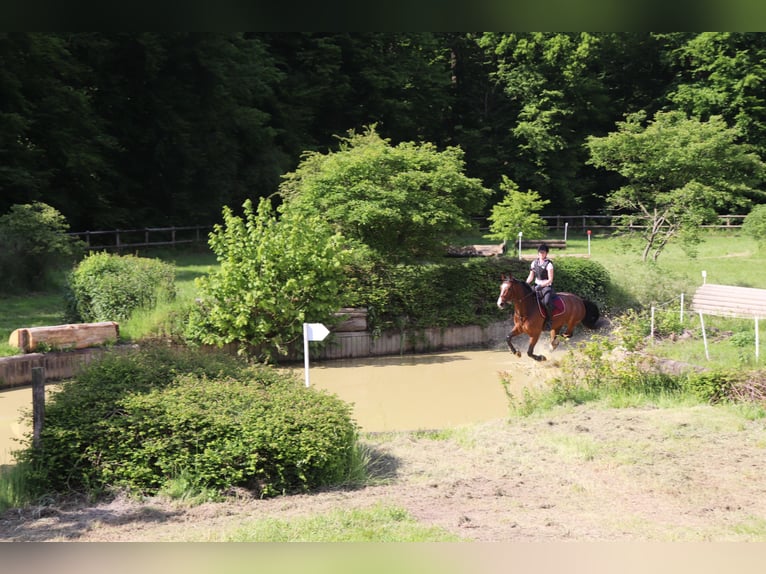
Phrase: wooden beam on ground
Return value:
(73, 336)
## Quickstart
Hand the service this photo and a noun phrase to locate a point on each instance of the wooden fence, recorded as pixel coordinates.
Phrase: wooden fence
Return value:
(584, 222)
(171, 236)
(118, 239)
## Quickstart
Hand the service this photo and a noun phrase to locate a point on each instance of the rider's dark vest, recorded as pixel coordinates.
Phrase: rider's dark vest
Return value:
(541, 271)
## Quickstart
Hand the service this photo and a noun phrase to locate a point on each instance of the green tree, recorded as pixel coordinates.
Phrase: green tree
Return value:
(274, 275)
(517, 212)
(402, 201)
(558, 89)
(678, 171)
(35, 246)
(721, 73)
(755, 225)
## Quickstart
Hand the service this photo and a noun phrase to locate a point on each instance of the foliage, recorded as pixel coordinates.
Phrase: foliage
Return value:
(720, 73)
(402, 201)
(110, 287)
(274, 275)
(586, 278)
(517, 213)
(129, 129)
(600, 369)
(35, 245)
(679, 171)
(754, 225)
(143, 419)
(728, 385)
(403, 297)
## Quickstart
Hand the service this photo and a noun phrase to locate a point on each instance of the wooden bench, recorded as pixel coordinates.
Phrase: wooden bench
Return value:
(74, 336)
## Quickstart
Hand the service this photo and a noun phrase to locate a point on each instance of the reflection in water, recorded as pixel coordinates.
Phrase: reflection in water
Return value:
(393, 393)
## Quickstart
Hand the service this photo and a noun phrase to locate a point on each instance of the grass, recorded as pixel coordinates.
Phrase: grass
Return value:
(380, 523)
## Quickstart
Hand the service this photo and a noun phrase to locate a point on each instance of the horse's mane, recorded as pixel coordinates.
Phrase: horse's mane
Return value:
(524, 285)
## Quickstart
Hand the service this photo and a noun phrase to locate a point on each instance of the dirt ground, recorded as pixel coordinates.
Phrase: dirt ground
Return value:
(581, 474)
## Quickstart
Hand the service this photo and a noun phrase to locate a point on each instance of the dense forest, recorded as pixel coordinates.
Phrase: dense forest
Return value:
(148, 129)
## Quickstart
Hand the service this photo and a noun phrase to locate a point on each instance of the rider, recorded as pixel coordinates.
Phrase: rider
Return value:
(541, 271)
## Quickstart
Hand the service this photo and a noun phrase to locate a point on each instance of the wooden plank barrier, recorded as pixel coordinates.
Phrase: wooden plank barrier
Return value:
(730, 301)
(74, 336)
(535, 243)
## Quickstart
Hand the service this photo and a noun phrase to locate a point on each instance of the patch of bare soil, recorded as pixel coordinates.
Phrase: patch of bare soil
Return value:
(690, 474)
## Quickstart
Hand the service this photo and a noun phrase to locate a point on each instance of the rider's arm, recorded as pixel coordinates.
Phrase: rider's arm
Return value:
(530, 277)
(550, 276)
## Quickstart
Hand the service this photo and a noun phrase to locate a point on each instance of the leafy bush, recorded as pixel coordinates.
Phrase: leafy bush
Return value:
(109, 287)
(35, 245)
(755, 224)
(275, 274)
(140, 420)
(586, 278)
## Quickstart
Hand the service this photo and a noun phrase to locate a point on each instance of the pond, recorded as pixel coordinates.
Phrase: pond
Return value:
(390, 393)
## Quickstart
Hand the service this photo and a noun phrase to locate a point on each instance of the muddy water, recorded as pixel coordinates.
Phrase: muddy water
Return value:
(11, 404)
(408, 392)
(427, 391)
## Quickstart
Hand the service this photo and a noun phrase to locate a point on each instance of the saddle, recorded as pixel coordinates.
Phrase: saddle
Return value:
(557, 303)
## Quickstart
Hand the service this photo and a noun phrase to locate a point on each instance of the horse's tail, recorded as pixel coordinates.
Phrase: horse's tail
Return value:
(591, 314)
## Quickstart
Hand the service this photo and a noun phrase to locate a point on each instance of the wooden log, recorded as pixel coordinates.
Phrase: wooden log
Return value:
(74, 336)
(353, 319)
(535, 243)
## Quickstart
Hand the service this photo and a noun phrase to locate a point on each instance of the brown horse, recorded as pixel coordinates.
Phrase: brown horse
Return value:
(528, 315)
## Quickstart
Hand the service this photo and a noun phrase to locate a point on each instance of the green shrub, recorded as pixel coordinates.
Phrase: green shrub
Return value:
(140, 420)
(35, 246)
(586, 278)
(225, 433)
(712, 386)
(109, 287)
(755, 224)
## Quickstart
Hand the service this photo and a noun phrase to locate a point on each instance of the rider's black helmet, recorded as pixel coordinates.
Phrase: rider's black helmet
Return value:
(543, 248)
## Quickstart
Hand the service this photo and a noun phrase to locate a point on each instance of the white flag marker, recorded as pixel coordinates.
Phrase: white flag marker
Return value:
(311, 332)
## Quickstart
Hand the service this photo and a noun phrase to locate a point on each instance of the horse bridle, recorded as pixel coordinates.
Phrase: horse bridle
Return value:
(509, 280)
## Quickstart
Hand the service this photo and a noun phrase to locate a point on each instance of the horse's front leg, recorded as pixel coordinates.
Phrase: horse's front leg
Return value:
(531, 348)
(554, 339)
(516, 330)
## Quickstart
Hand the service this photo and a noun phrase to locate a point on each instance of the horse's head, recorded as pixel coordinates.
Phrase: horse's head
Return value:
(512, 290)
(505, 288)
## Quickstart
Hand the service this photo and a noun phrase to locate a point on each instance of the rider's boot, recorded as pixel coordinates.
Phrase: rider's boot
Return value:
(548, 317)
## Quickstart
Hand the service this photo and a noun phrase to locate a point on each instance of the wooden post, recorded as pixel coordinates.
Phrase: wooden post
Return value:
(38, 404)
